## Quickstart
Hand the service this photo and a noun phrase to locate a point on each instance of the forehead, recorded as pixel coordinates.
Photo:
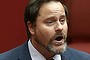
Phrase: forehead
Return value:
(51, 7)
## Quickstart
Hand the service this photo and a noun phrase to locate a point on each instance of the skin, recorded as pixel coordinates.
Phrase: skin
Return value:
(51, 22)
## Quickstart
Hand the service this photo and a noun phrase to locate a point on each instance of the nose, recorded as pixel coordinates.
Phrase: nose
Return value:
(59, 27)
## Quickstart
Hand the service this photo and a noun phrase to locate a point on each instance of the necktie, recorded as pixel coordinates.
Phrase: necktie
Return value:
(52, 59)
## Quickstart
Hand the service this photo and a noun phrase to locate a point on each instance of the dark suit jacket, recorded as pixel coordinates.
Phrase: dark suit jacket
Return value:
(22, 53)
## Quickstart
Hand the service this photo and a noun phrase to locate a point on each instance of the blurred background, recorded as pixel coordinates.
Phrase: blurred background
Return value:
(12, 27)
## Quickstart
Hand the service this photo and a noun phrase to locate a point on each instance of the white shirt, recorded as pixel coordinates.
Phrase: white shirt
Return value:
(35, 55)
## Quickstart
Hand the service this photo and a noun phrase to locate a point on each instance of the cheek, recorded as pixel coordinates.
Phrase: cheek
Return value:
(45, 33)
(65, 29)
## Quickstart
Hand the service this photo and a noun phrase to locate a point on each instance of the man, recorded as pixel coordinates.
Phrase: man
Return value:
(47, 29)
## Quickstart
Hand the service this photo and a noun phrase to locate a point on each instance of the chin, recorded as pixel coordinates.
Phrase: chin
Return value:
(63, 48)
(58, 50)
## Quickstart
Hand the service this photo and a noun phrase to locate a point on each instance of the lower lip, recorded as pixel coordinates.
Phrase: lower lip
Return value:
(58, 43)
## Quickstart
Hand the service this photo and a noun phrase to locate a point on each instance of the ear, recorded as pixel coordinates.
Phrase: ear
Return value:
(30, 27)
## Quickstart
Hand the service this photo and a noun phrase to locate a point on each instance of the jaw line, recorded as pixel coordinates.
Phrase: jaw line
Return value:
(51, 49)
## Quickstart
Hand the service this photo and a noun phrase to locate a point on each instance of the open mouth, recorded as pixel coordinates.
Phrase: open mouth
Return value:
(59, 38)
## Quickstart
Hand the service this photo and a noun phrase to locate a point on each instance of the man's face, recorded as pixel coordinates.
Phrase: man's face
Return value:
(51, 27)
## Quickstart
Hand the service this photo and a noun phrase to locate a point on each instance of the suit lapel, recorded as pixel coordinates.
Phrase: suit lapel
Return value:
(24, 52)
(66, 55)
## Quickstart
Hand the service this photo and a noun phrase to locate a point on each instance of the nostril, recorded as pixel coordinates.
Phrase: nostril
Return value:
(58, 30)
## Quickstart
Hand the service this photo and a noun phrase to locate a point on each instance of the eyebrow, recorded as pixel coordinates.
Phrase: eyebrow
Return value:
(50, 18)
(63, 16)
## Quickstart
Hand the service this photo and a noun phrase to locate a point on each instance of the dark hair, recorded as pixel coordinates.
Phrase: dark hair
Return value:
(32, 10)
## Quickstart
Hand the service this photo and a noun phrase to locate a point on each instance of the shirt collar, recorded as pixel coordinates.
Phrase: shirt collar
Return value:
(35, 55)
(57, 57)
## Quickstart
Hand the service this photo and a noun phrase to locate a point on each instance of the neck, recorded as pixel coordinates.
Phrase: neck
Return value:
(47, 54)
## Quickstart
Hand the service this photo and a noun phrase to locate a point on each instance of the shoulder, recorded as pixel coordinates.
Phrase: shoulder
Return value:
(11, 54)
(78, 54)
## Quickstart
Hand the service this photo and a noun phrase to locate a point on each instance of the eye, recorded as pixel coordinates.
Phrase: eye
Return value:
(50, 22)
(62, 20)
